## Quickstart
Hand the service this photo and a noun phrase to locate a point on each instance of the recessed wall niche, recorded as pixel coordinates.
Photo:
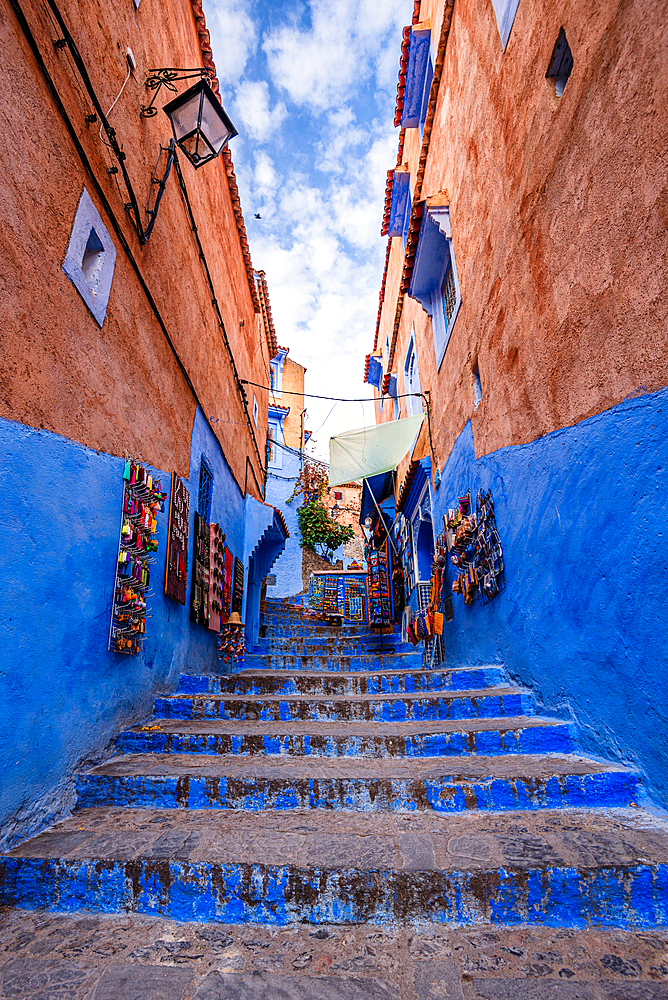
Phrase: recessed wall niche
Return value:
(91, 258)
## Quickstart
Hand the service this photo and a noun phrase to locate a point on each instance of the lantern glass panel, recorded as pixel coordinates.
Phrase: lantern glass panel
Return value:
(197, 149)
(185, 119)
(213, 127)
(200, 125)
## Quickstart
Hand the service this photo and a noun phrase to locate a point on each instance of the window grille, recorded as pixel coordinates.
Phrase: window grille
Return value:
(449, 295)
(271, 443)
(205, 490)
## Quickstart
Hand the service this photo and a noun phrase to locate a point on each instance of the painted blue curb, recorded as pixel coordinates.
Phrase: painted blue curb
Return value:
(445, 795)
(378, 683)
(634, 896)
(490, 743)
(397, 710)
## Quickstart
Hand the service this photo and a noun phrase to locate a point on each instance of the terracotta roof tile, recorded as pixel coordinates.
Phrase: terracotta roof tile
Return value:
(281, 520)
(380, 304)
(411, 245)
(403, 70)
(207, 59)
(265, 309)
(389, 184)
(407, 483)
(403, 63)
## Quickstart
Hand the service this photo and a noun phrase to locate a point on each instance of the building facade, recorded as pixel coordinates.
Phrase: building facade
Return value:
(110, 365)
(523, 310)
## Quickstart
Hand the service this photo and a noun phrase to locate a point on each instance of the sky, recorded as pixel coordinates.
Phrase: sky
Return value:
(311, 87)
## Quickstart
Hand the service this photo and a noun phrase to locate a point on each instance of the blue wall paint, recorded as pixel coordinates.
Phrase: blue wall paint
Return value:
(288, 566)
(63, 696)
(582, 515)
(264, 543)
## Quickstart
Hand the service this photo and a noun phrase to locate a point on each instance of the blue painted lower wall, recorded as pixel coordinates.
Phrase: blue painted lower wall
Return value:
(63, 696)
(583, 519)
(280, 485)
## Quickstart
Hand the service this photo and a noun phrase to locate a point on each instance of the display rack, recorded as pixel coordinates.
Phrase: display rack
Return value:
(316, 592)
(475, 547)
(491, 574)
(354, 601)
(176, 564)
(403, 540)
(199, 594)
(380, 601)
(142, 499)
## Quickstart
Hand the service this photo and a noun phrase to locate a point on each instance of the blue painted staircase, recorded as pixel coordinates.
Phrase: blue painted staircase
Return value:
(327, 782)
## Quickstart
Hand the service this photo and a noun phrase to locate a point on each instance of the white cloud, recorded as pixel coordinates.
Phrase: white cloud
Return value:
(252, 106)
(233, 37)
(344, 46)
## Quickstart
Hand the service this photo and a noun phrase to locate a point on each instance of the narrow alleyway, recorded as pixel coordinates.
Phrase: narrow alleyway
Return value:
(324, 790)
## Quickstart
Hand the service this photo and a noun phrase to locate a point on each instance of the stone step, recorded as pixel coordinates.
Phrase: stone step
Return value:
(334, 662)
(261, 782)
(490, 737)
(294, 628)
(487, 703)
(551, 868)
(259, 682)
(296, 646)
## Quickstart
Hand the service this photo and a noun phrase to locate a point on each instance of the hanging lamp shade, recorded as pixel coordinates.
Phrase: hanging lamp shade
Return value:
(199, 123)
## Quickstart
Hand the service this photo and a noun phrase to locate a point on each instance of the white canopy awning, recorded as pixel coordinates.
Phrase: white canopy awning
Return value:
(368, 451)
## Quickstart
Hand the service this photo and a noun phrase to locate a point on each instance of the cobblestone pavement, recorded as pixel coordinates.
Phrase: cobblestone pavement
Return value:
(95, 957)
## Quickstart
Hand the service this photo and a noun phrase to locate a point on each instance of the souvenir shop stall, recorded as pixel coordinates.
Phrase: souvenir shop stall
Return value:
(471, 538)
(377, 517)
(340, 596)
(217, 583)
(143, 500)
(372, 454)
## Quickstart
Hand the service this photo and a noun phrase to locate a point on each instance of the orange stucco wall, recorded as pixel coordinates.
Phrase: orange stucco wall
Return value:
(117, 387)
(557, 208)
(293, 382)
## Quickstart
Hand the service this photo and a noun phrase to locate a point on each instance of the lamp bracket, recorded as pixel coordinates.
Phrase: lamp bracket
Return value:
(165, 77)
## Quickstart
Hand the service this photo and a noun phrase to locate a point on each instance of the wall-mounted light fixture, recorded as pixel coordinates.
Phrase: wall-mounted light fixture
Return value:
(200, 124)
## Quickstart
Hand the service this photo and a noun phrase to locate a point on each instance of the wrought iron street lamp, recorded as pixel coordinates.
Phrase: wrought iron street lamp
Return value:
(199, 123)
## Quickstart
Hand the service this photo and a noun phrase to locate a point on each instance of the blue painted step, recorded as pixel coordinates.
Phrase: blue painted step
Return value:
(333, 662)
(482, 704)
(205, 891)
(511, 736)
(447, 794)
(398, 682)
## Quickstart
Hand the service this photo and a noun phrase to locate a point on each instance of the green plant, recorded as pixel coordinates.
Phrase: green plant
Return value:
(318, 531)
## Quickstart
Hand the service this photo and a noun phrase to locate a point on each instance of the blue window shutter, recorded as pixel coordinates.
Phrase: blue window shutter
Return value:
(418, 59)
(375, 376)
(401, 196)
(407, 220)
(505, 11)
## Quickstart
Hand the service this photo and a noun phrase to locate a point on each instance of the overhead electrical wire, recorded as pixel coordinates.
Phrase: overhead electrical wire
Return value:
(335, 399)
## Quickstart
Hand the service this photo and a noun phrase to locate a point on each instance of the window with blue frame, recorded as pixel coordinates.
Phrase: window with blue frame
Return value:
(412, 379)
(276, 418)
(434, 281)
(419, 74)
(505, 11)
(205, 490)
